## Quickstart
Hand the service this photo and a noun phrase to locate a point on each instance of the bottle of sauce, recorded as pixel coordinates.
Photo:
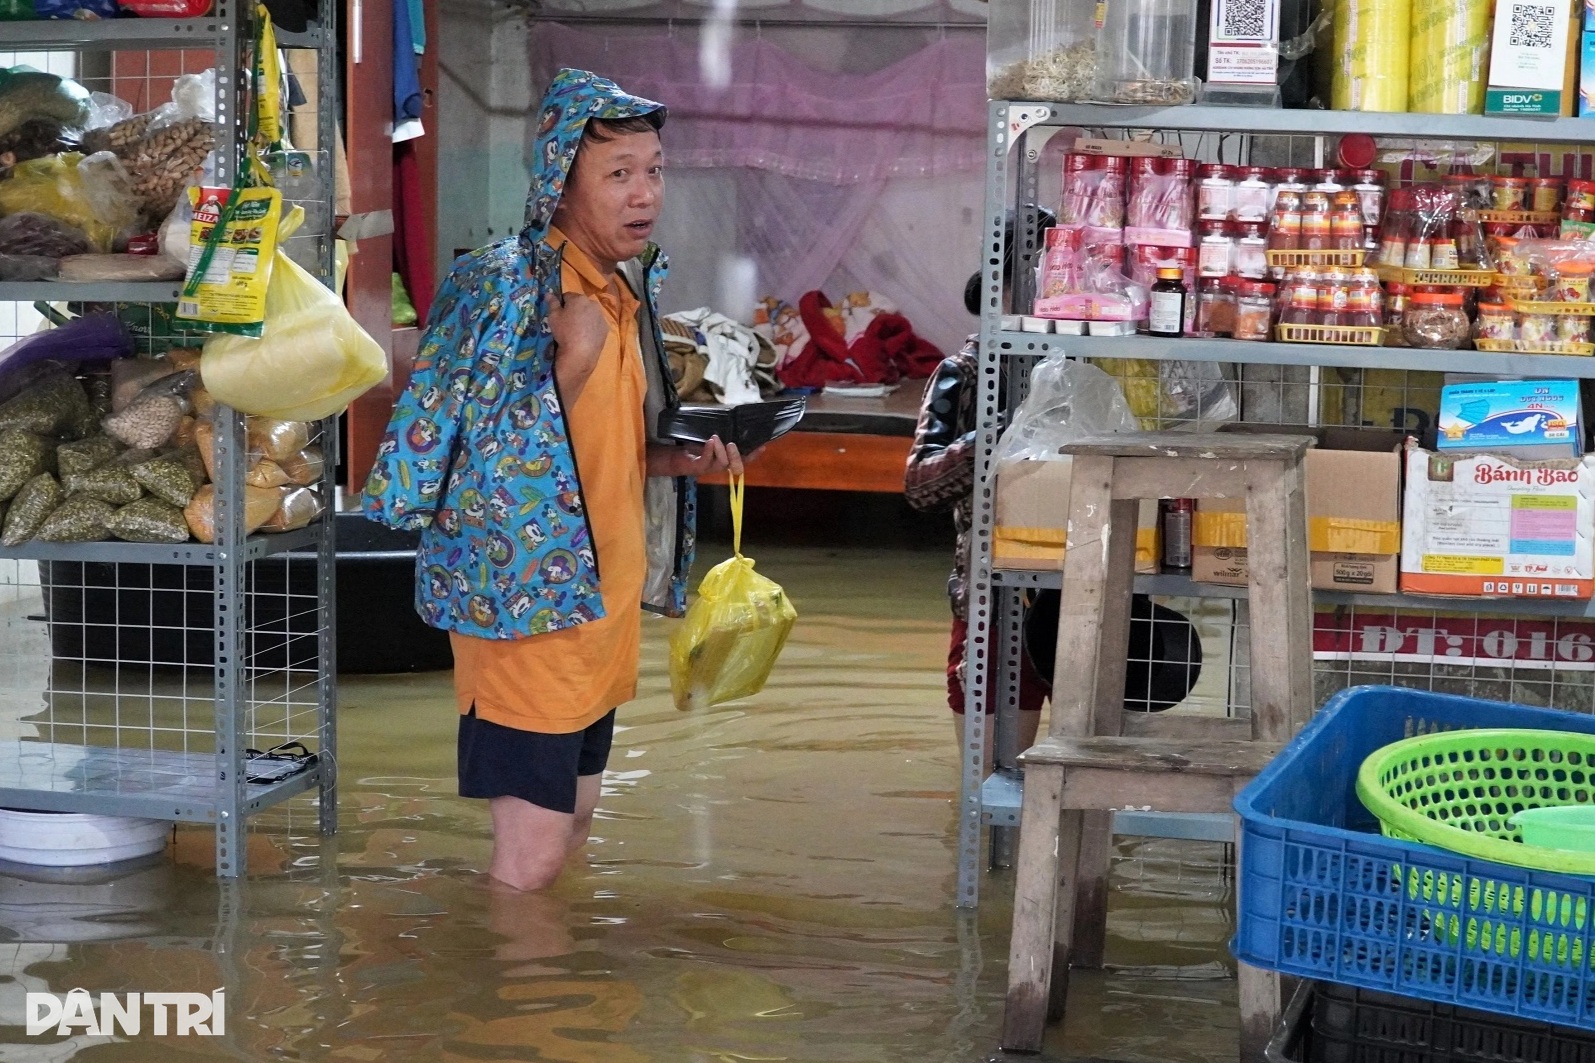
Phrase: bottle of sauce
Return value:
(1166, 311)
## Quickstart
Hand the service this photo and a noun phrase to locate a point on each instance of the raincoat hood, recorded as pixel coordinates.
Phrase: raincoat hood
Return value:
(573, 97)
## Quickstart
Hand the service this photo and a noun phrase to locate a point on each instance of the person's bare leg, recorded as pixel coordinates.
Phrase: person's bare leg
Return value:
(1029, 726)
(530, 843)
(587, 790)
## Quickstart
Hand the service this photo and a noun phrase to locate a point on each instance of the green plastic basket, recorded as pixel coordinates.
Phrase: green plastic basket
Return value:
(1460, 789)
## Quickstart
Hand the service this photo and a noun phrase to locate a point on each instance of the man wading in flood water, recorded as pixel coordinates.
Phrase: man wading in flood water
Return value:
(525, 447)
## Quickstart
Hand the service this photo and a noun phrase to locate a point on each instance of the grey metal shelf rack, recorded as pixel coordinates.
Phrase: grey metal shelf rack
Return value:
(169, 737)
(1017, 132)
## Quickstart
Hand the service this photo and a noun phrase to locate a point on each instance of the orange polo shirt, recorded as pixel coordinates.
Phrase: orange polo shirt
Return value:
(563, 681)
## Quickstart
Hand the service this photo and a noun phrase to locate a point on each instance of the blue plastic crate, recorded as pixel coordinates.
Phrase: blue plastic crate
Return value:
(1323, 895)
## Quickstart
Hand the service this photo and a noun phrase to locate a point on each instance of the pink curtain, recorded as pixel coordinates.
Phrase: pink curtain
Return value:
(822, 179)
(920, 117)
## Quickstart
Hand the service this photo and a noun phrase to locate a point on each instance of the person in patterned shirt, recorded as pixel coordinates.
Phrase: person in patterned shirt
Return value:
(940, 477)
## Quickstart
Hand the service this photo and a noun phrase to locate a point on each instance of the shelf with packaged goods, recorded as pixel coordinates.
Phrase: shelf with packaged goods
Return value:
(255, 548)
(90, 291)
(1158, 348)
(1265, 120)
(132, 34)
(1178, 585)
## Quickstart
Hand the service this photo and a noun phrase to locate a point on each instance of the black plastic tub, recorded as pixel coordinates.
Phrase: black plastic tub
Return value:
(164, 615)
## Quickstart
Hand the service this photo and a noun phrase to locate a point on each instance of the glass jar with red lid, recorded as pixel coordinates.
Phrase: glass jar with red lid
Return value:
(1215, 192)
(1251, 195)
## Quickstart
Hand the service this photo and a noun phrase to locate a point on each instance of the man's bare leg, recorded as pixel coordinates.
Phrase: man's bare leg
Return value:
(587, 790)
(530, 843)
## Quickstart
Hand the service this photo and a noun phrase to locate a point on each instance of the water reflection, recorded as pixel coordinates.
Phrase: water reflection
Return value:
(769, 881)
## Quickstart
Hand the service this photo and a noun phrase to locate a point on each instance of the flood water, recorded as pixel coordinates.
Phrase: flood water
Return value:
(768, 881)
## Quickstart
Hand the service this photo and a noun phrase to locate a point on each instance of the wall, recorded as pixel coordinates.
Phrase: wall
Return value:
(484, 97)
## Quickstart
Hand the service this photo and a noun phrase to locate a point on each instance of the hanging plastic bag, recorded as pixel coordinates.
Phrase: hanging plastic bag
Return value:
(1068, 400)
(1174, 394)
(733, 633)
(311, 363)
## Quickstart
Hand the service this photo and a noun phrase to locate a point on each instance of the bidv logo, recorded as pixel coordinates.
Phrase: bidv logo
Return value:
(182, 1014)
(1523, 97)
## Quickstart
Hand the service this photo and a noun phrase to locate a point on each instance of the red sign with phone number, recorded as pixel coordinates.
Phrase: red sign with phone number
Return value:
(1495, 642)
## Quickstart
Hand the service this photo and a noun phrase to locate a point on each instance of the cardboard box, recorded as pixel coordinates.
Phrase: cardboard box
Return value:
(1125, 148)
(1353, 516)
(1529, 58)
(1485, 526)
(1534, 420)
(1032, 516)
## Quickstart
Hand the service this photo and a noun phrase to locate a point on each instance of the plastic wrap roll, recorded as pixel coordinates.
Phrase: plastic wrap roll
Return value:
(1450, 56)
(1372, 39)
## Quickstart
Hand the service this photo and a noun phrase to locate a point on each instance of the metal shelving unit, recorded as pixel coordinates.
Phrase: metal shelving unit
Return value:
(1017, 134)
(162, 667)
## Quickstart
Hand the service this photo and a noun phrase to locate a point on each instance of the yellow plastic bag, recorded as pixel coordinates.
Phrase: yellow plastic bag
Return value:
(93, 194)
(733, 633)
(311, 363)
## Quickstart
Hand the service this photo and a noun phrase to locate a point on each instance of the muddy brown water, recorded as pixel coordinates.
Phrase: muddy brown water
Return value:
(771, 880)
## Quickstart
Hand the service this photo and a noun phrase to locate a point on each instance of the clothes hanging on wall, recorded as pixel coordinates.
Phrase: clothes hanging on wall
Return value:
(406, 77)
(411, 257)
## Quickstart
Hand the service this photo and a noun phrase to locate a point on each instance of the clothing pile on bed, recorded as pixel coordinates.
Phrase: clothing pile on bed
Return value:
(716, 360)
(863, 341)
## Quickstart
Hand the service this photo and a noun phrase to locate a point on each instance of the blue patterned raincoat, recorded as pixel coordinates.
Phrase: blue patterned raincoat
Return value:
(478, 452)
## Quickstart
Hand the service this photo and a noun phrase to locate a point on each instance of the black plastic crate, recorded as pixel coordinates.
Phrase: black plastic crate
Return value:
(1329, 1023)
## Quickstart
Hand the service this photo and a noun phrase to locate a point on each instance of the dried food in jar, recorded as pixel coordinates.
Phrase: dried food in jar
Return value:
(1254, 311)
(80, 519)
(1545, 194)
(1436, 320)
(167, 478)
(149, 520)
(29, 509)
(1536, 330)
(1494, 322)
(1509, 193)
(30, 233)
(1063, 74)
(23, 455)
(86, 454)
(300, 506)
(109, 483)
(55, 405)
(259, 506)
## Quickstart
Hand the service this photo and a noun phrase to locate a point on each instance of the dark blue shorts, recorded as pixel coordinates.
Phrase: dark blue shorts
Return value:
(499, 761)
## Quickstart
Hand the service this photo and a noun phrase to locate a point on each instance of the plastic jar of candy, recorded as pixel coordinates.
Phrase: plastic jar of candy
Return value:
(1252, 191)
(1572, 283)
(1536, 330)
(1436, 320)
(1508, 193)
(1395, 312)
(1284, 226)
(1365, 300)
(1215, 192)
(1545, 194)
(1571, 329)
(1494, 322)
(1215, 253)
(1254, 311)
(1215, 309)
(1317, 230)
(1370, 189)
(1301, 306)
(1251, 250)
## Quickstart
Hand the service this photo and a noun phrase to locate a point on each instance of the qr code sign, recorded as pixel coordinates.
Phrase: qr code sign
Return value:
(1241, 20)
(1533, 25)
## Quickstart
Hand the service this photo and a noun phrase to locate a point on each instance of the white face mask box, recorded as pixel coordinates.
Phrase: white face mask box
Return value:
(1527, 419)
(1486, 526)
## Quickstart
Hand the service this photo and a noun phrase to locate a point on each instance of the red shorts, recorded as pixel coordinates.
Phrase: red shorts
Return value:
(1033, 689)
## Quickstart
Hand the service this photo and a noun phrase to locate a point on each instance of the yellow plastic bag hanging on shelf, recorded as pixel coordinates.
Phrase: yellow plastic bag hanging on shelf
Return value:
(312, 361)
(733, 633)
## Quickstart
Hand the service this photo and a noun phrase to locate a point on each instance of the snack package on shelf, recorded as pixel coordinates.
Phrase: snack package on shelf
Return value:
(1082, 281)
(260, 505)
(92, 194)
(233, 252)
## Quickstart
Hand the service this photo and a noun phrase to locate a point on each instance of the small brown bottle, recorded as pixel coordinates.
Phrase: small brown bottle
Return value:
(1166, 312)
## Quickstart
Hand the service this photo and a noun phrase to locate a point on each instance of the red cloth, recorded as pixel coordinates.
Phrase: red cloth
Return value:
(887, 350)
(1033, 689)
(412, 258)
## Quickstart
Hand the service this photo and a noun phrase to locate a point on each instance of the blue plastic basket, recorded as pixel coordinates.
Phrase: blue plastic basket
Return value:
(1323, 895)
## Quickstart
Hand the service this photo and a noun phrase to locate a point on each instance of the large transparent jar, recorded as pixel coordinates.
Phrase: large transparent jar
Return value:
(1041, 50)
(1146, 51)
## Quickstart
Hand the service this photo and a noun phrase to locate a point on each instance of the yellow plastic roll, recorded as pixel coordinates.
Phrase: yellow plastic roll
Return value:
(1372, 39)
(1450, 56)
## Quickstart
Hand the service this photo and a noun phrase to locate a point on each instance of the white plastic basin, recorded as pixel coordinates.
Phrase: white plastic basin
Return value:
(76, 839)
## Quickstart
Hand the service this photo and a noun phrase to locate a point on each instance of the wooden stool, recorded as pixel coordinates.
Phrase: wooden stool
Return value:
(1096, 758)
